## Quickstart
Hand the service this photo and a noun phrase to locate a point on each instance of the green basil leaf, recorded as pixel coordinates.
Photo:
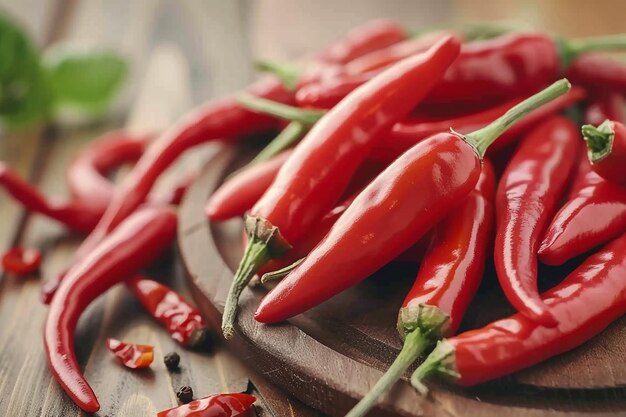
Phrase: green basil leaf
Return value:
(87, 80)
(24, 96)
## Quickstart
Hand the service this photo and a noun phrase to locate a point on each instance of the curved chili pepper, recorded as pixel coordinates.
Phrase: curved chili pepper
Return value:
(132, 246)
(606, 150)
(220, 405)
(528, 194)
(595, 213)
(596, 71)
(183, 321)
(328, 91)
(21, 261)
(243, 190)
(406, 134)
(320, 168)
(585, 303)
(131, 355)
(392, 213)
(447, 281)
(606, 105)
(511, 65)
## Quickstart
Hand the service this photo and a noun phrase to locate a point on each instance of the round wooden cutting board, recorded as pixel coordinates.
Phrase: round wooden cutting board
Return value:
(330, 357)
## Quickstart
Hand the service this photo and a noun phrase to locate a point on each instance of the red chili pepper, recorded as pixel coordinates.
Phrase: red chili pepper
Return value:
(528, 195)
(320, 168)
(447, 281)
(405, 135)
(585, 303)
(181, 319)
(243, 190)
(606, 150)
(606, 105)
(596, 71)
(595, 213)
(21, 261)
(511, 65)
(220, 405)
(132, 246)
(392, 213)
(326, 92)
(132, 356)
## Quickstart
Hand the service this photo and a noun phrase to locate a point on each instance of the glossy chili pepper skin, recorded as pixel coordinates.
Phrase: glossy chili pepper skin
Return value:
(384, 220)
(219, 120)
(239, 193)
(183, 321)
(321, 166)
(606, 149)
(326, 92)
(498, 69)
(527, 196)
(220, 405)
(595, 210)
(453, 265)
(585, 303)
(606, 105)
(21, 261)
(133, 356)
(597, 71)
(406, 134)
(133, 245)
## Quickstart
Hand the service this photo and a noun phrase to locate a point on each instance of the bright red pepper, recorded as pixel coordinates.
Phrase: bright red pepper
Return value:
(510, 66)
(606, 105)
(240, 192)
(528, 195)
(595, 211)
(135, 244)
(596, 71)
(182, 320)
(21, 261)
(220, 405)
(606, 150)
(132, 355)
(320, 168)
(392, 213)
(585, 303)
(447, 281)
(405, 135)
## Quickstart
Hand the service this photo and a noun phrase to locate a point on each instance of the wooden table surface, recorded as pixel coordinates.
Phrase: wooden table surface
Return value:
(137, 29)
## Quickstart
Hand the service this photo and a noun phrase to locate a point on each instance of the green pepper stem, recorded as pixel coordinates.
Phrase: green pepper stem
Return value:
(264, 243)
(414, 344)
(599, 140)
(598, 43)
(282, 111)
(280, 273)
(440, 361)
(289, 135)
(482, 138)
(287, 74)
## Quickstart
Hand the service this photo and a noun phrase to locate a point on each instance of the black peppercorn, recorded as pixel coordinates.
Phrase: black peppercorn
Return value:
(172, 360)
(185, 394)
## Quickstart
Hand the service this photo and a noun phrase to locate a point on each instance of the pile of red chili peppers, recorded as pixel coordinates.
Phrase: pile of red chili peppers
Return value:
(385, 150)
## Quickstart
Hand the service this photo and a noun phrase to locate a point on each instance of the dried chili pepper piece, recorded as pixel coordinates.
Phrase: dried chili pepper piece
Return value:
(132, 355)
(182, 320)
(21, 261)
(220, 405)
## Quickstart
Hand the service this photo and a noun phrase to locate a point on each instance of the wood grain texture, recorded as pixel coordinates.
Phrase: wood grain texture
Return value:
(331, 356)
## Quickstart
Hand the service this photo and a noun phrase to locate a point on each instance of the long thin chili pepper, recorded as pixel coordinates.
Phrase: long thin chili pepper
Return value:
(220, 405)
(594, 213)
(448, 278)
(528, 195)
(131, 355)
(316, 174)
(405, 201)
(596, 71)
(243, 190)
(181, 319)
(132, 246)
(585, 303)
(606, 145)
(512, 65)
